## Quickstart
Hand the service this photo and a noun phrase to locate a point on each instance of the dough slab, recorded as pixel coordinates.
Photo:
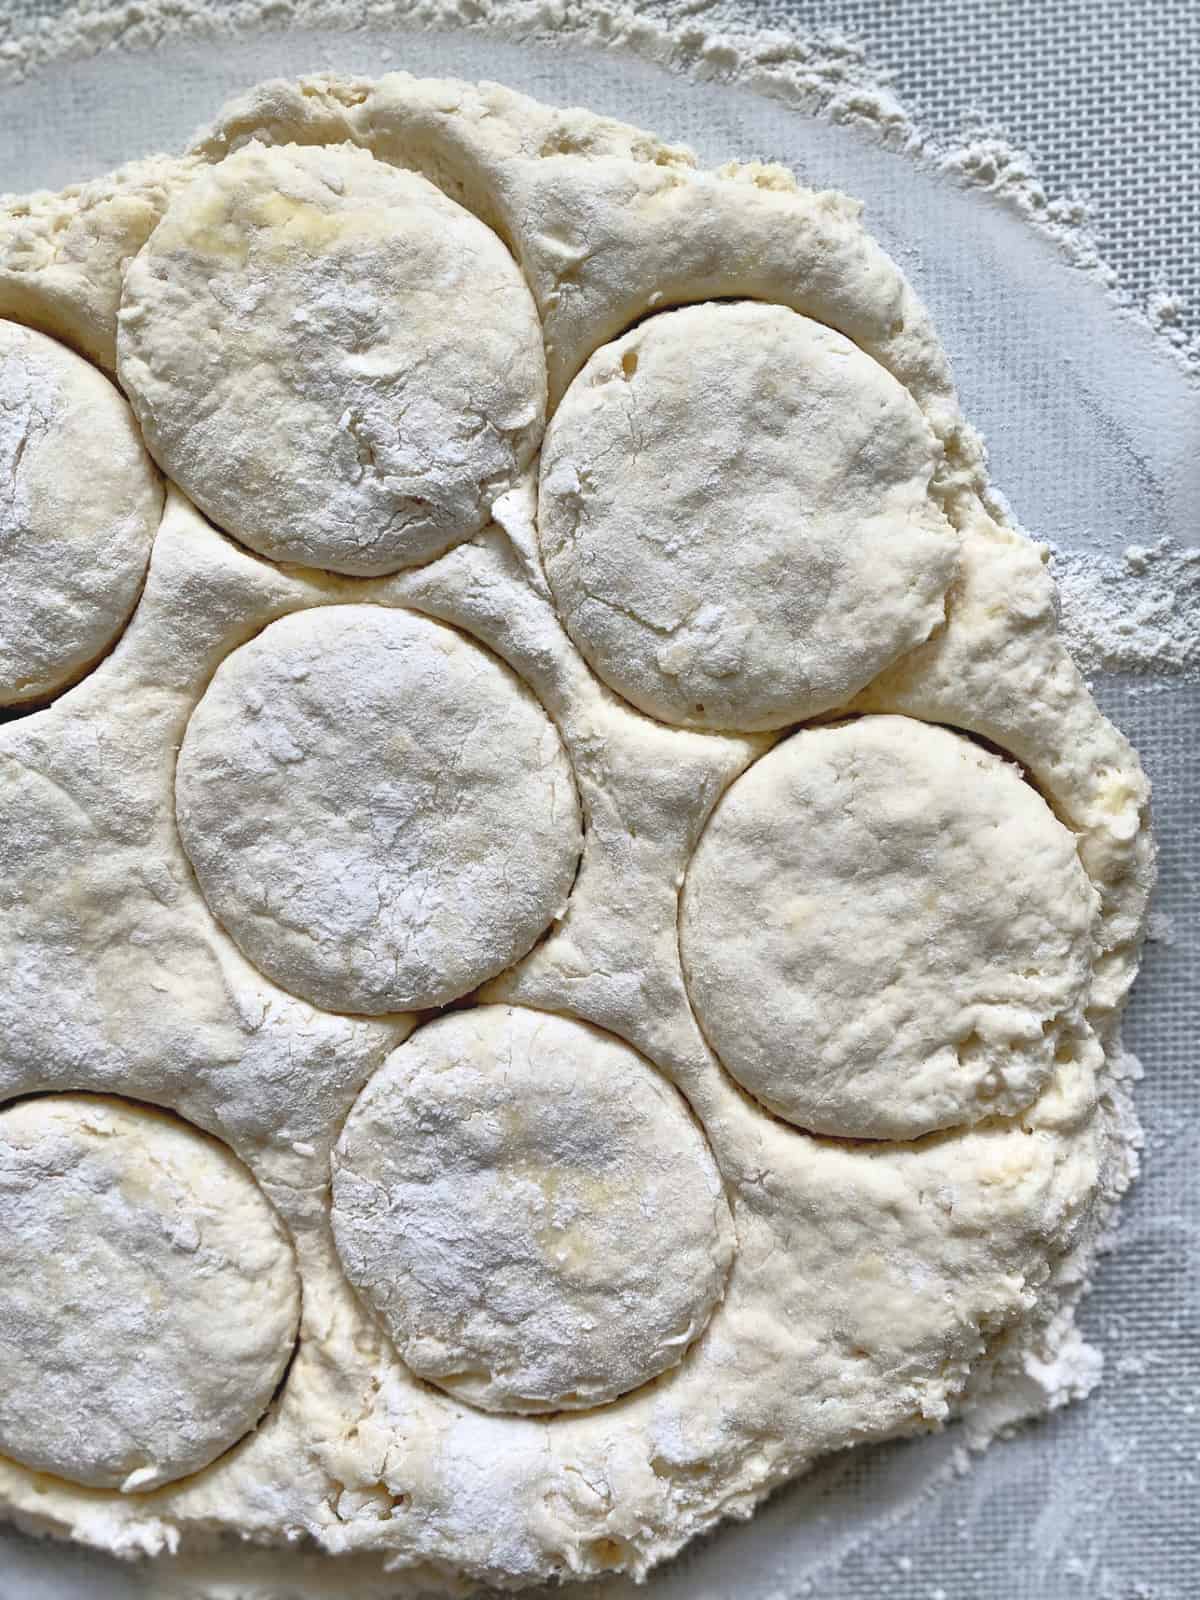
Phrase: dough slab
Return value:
(736, 517)
(716, 763)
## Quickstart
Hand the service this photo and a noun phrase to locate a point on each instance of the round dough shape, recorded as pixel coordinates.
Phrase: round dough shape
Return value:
(149, 1300)
(735, 518)
(378, 811)
(340, 365)
(79, 505)
(885, 931)
(531, 1210)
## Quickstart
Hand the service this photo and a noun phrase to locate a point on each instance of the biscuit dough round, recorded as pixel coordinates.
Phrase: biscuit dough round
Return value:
(79, 505)
(531, 1210)
(885, 931)
(378, 811)
(735, 517)
(149, 1299)
(341, 366)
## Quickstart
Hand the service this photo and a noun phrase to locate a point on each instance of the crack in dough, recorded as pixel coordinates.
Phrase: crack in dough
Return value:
(735, 517)
(379, 812)
(886, 931)
(79, 504)
(340, 365)
(531, 1210)
(149, 1298)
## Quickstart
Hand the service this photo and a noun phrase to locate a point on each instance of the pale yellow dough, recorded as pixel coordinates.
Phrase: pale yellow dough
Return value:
(427, 711)
(79, 503)
(531, 1210)
(148, 1294)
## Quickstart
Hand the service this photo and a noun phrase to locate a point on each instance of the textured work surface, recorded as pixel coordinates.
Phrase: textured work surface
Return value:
(1106, 97)
(1098, 1502)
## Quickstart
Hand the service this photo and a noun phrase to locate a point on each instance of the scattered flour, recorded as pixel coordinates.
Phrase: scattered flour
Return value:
(1138, 612)
(821, 69)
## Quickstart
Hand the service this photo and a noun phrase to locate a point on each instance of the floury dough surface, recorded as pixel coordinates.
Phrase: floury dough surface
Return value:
(335, 361)
(79, 503)
(378, 811)
(531, 1210)
(886, 930)
(148, 1294)
(736, 517)
(871, 1287)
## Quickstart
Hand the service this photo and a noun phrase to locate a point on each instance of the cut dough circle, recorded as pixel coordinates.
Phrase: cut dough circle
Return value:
(149, 1299)
(885, 931)
(79, 505)
(341, 366)
(735, 519)
(531, 1210)
(378, 811)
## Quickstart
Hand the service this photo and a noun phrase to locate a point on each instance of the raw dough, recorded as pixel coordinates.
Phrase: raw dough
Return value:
(885, 930)
(341, 366)
(381, 814)
(531, 1210)
(79, 503)
(735, 517)
(148, 1294)
(378, 811)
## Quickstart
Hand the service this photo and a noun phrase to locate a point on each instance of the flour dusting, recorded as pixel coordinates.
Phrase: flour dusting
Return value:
(821, 70)
(1137, 612)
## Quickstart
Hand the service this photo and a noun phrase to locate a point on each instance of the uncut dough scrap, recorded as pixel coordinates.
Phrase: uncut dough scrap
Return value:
(148, 1295)
(531, 1210)
(876, 1287)
(79, 503)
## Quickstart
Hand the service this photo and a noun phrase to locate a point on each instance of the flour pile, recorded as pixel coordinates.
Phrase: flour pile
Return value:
(1137, 612)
